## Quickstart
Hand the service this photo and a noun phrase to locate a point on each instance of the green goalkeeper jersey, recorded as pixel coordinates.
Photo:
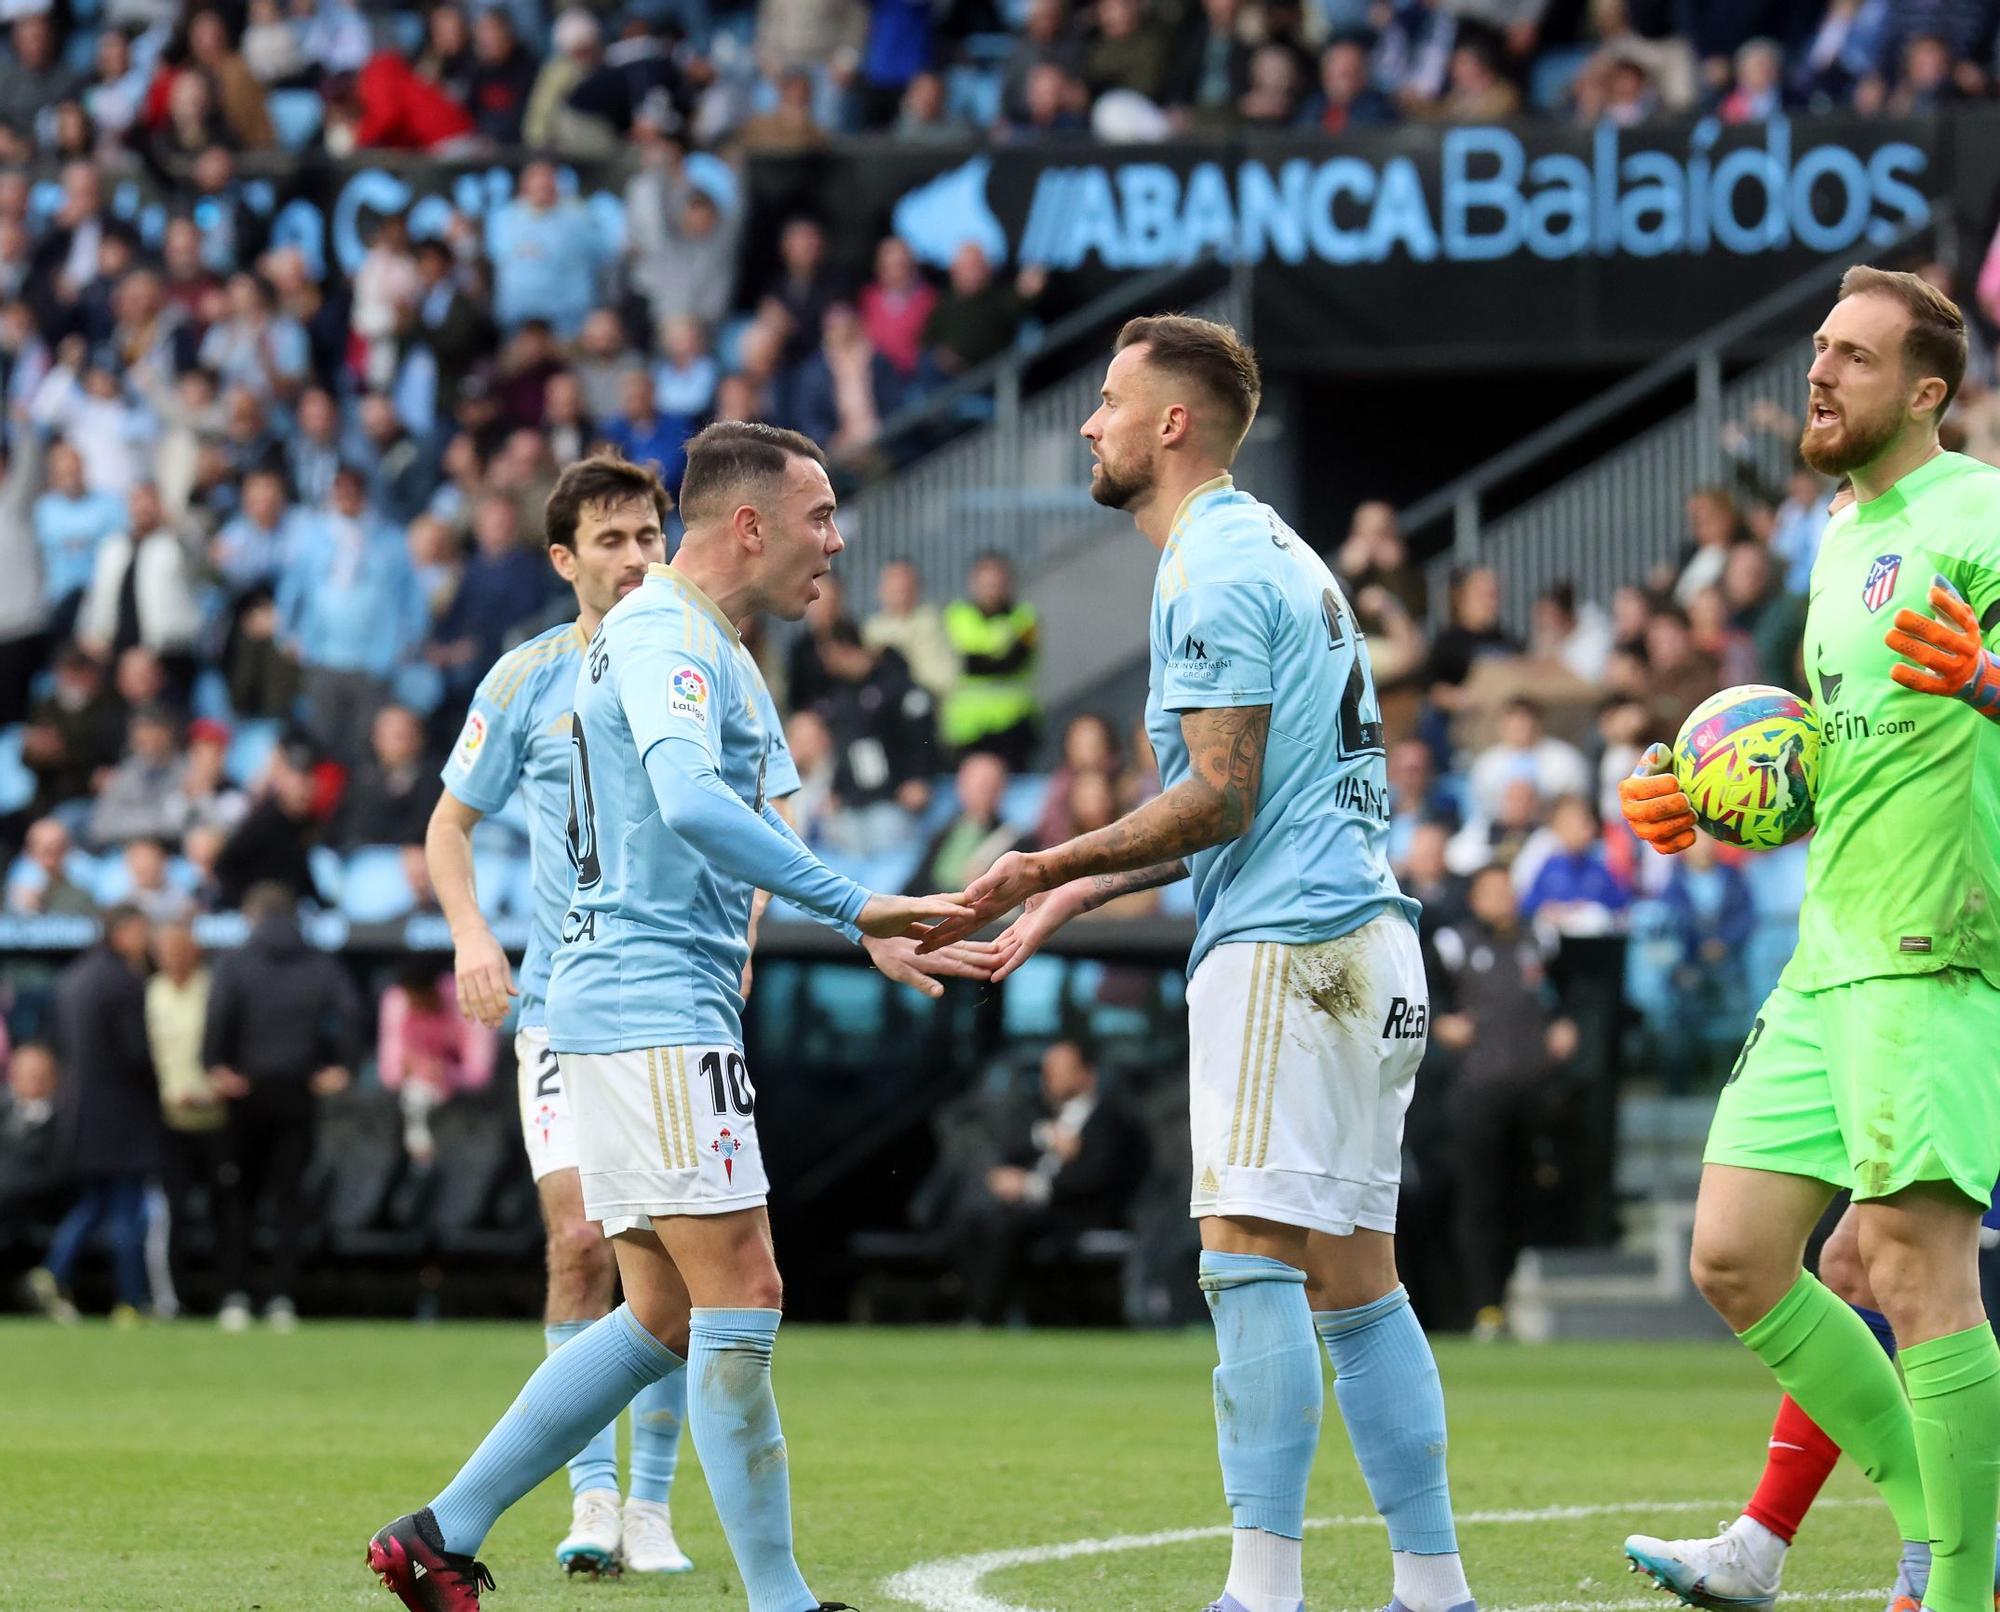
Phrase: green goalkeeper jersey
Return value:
(1903, 874)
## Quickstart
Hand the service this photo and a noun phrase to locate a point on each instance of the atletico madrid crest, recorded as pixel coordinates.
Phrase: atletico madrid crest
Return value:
(1881, 583)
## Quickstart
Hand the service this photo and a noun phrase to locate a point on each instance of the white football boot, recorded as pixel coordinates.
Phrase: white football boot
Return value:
(592, 1545)
(1736, 1571)
(650, 1546)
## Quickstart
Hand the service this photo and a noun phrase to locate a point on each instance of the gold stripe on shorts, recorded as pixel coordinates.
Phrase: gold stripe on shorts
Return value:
(1243, 1063)
(1271, 1051)
(659, 1119)
(687, 1107)
(1258, 1043)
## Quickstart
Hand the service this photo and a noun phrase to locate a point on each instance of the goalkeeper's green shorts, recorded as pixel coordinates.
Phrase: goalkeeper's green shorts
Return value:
(1870, 1086)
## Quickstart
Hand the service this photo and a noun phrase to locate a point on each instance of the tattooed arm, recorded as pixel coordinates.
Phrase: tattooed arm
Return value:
(1215, 803)
(1103, 887)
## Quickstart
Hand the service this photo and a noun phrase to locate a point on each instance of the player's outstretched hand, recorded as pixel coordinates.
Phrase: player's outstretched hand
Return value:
(484, 979)
(1951, 657)
(1000, 889)
(887, 916)
(1654, 806)
(1042, 917)
(900, 960)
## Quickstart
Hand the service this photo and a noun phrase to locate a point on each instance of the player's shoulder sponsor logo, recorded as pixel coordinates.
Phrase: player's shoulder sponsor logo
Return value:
(471, 739)
(1191, 660)
(687, 693)
(1880, 585)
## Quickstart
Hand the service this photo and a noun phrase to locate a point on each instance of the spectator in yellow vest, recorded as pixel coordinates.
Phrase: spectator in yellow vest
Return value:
(994, 707)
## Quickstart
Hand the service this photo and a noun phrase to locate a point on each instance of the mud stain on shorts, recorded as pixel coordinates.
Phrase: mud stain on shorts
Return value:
(1332, 976)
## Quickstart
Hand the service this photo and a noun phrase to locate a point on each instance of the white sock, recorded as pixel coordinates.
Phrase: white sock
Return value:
(1764, 1548)
(1265, 1571)
(1430, 1583)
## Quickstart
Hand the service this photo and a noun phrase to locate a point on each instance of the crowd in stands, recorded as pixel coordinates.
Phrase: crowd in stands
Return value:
(264, 524)
(169, 85)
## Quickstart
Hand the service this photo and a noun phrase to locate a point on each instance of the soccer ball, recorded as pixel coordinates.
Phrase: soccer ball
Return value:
(1748, 761)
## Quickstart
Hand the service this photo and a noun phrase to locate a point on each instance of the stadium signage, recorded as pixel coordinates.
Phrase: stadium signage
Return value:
(1490, 196)
(1419, 244)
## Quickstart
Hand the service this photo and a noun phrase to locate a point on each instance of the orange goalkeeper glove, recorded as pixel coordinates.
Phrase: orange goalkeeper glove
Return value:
(1654, 805)
(1951, 657)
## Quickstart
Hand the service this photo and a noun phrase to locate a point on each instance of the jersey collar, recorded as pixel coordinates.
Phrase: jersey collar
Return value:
(697, 598)
(1223, 483)
(1896, 499)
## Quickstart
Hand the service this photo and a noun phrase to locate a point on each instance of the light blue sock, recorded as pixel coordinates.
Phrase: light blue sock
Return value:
(734, 1420)
(596, 1464)
(1385, 1380)
(572, 1394)
(657, 1415)
(1268, 1389)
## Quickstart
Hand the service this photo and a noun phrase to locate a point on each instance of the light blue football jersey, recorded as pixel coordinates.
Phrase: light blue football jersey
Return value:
(516, 736)
(1244, 613)
(654, 937)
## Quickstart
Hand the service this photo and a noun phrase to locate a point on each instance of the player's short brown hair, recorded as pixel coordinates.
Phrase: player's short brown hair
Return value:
(735, 461)
(1935, 344)
(1209, 356)
(604, 479)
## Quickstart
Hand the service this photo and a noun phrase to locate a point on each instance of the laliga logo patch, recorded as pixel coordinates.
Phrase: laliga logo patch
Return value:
(728, 1147)
(471, 738)
(687, 694)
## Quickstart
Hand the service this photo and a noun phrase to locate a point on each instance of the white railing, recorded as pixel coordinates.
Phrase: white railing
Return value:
(1623, 516)
(1018, 483)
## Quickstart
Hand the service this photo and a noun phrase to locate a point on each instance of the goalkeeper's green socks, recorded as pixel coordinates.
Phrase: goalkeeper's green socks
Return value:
(1954, 1389)
(1824, 1356)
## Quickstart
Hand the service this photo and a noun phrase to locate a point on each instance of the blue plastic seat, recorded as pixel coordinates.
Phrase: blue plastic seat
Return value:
(17, 784)
(210, 698)
(250, 746)
(296, 116)
(328, 871)
(375, 890)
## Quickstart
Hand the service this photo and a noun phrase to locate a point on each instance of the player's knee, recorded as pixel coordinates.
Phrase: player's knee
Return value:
(763, 1290)
(1730, 1275)
(665, 1320)
(578, 1252)
(1841, 1269)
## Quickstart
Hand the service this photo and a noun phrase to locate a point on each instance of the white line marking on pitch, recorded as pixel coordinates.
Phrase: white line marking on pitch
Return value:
(952, 1583)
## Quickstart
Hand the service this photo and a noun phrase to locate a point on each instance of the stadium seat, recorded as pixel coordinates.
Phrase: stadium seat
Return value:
(729, 341)
(1024, 800)
(209, 700)
(1553, 73)
(17, 784)
(328, 871)
(847, 1000)
(357, 1165)
(250, 746)
(493, 872)
(375, 890)
(1031, 1000)
(110, 880)
(478, 1148)
(972, 94)
(296, 116)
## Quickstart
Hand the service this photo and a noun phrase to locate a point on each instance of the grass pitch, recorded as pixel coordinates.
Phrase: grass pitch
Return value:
(175, 1468)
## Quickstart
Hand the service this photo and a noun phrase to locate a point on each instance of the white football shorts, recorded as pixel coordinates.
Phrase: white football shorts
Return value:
(664, 1131)
(546, 1129)
(1302, 1060)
